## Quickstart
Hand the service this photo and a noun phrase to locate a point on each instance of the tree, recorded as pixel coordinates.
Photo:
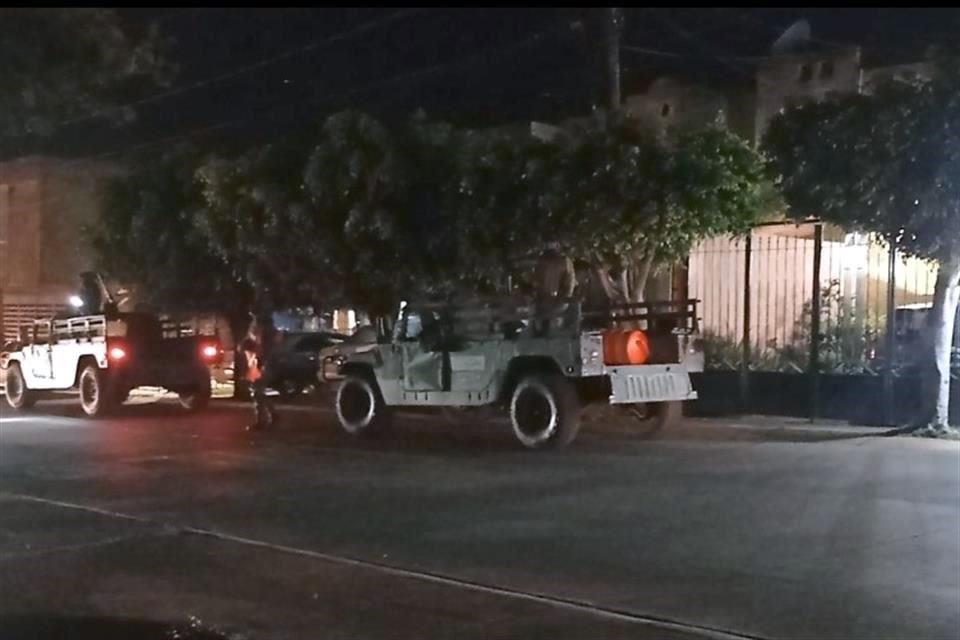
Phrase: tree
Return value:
(361, 196)
(315, 221)
(258, 219)
(358, 216)
(367, 216)
(888, 163)
(147, 234)
(614, 196)
(62, 64)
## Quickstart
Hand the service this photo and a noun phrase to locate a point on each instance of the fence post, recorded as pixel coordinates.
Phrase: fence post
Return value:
(745, 361)
(814, 367)
(889, 406)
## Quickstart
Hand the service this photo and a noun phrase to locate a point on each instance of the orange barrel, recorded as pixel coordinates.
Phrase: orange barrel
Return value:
(634, 347)
(611, 346)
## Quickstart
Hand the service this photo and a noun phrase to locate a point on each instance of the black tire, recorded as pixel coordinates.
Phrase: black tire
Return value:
(544, 411)
(18, 395)
(361, 410)
(195, 398)
(96, 398)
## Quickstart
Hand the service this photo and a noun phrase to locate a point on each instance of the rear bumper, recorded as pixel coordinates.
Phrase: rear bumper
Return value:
(167, 377)
(631, 384)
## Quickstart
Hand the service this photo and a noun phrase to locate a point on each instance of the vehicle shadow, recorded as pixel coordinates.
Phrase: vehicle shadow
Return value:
(56, 627)
(434, 431)
(158, 410)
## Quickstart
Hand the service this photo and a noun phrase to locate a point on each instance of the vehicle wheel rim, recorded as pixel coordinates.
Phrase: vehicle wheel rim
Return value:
(356, 405)
(89, 392)
(534, 415)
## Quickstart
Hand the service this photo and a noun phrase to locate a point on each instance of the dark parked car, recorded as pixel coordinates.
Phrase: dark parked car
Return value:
(294, 365)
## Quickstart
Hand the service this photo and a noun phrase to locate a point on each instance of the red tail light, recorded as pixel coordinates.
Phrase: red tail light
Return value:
(117, 354)
(210, 352)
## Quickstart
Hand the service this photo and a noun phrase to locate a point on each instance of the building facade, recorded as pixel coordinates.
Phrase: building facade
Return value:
(45, 206)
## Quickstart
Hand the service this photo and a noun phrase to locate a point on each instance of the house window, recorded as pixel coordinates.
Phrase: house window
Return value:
(806, 73)
(826, 70)
(665, 110)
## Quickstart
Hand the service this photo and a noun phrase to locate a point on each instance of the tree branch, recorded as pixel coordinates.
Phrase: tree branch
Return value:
(606, 282)
(640, 282)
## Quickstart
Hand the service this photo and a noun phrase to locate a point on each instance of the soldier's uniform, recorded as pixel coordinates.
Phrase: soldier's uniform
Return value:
(554, 275)
(257, 347)
(555, 278)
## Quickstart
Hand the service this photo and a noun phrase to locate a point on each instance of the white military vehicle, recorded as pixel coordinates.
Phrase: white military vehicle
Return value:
(105, 356)
(541, 363)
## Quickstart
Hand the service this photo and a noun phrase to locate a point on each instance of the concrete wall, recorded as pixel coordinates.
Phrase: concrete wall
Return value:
(784, 80)
(45, 204)
(668, 102)
(909, 73)
(21, 187)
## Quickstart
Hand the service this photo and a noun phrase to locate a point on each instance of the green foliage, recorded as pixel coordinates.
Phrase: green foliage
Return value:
(613, 196)
(356, 185)
(59, 64)
(365, 216)
(887, 162)
(848, 344)
(256, 217)
(147, 235)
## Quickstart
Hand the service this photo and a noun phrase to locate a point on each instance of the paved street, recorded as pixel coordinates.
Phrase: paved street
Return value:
(442, 531)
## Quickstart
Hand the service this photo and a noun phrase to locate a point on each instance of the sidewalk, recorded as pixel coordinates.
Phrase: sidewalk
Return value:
(789, 425)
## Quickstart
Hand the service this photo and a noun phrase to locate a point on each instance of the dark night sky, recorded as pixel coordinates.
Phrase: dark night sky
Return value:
(485, 66)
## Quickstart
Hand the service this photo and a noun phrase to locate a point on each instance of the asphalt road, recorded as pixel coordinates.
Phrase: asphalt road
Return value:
(442, 531)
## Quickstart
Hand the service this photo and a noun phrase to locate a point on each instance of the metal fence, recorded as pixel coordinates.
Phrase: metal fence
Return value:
(764, 297)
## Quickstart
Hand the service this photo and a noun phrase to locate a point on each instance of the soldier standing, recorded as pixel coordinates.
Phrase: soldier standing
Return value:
(555, 278)
(257, 347)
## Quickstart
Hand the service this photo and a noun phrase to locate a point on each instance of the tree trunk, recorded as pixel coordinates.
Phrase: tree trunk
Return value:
(606, 283)
(942, 320)
(641, 277)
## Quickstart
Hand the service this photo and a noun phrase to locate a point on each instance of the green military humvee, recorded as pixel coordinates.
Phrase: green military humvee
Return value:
(539, 362)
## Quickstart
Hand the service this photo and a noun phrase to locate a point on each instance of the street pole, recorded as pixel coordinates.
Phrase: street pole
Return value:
(613, 23)
(889, 406)
(814, 369)
(745, 402)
